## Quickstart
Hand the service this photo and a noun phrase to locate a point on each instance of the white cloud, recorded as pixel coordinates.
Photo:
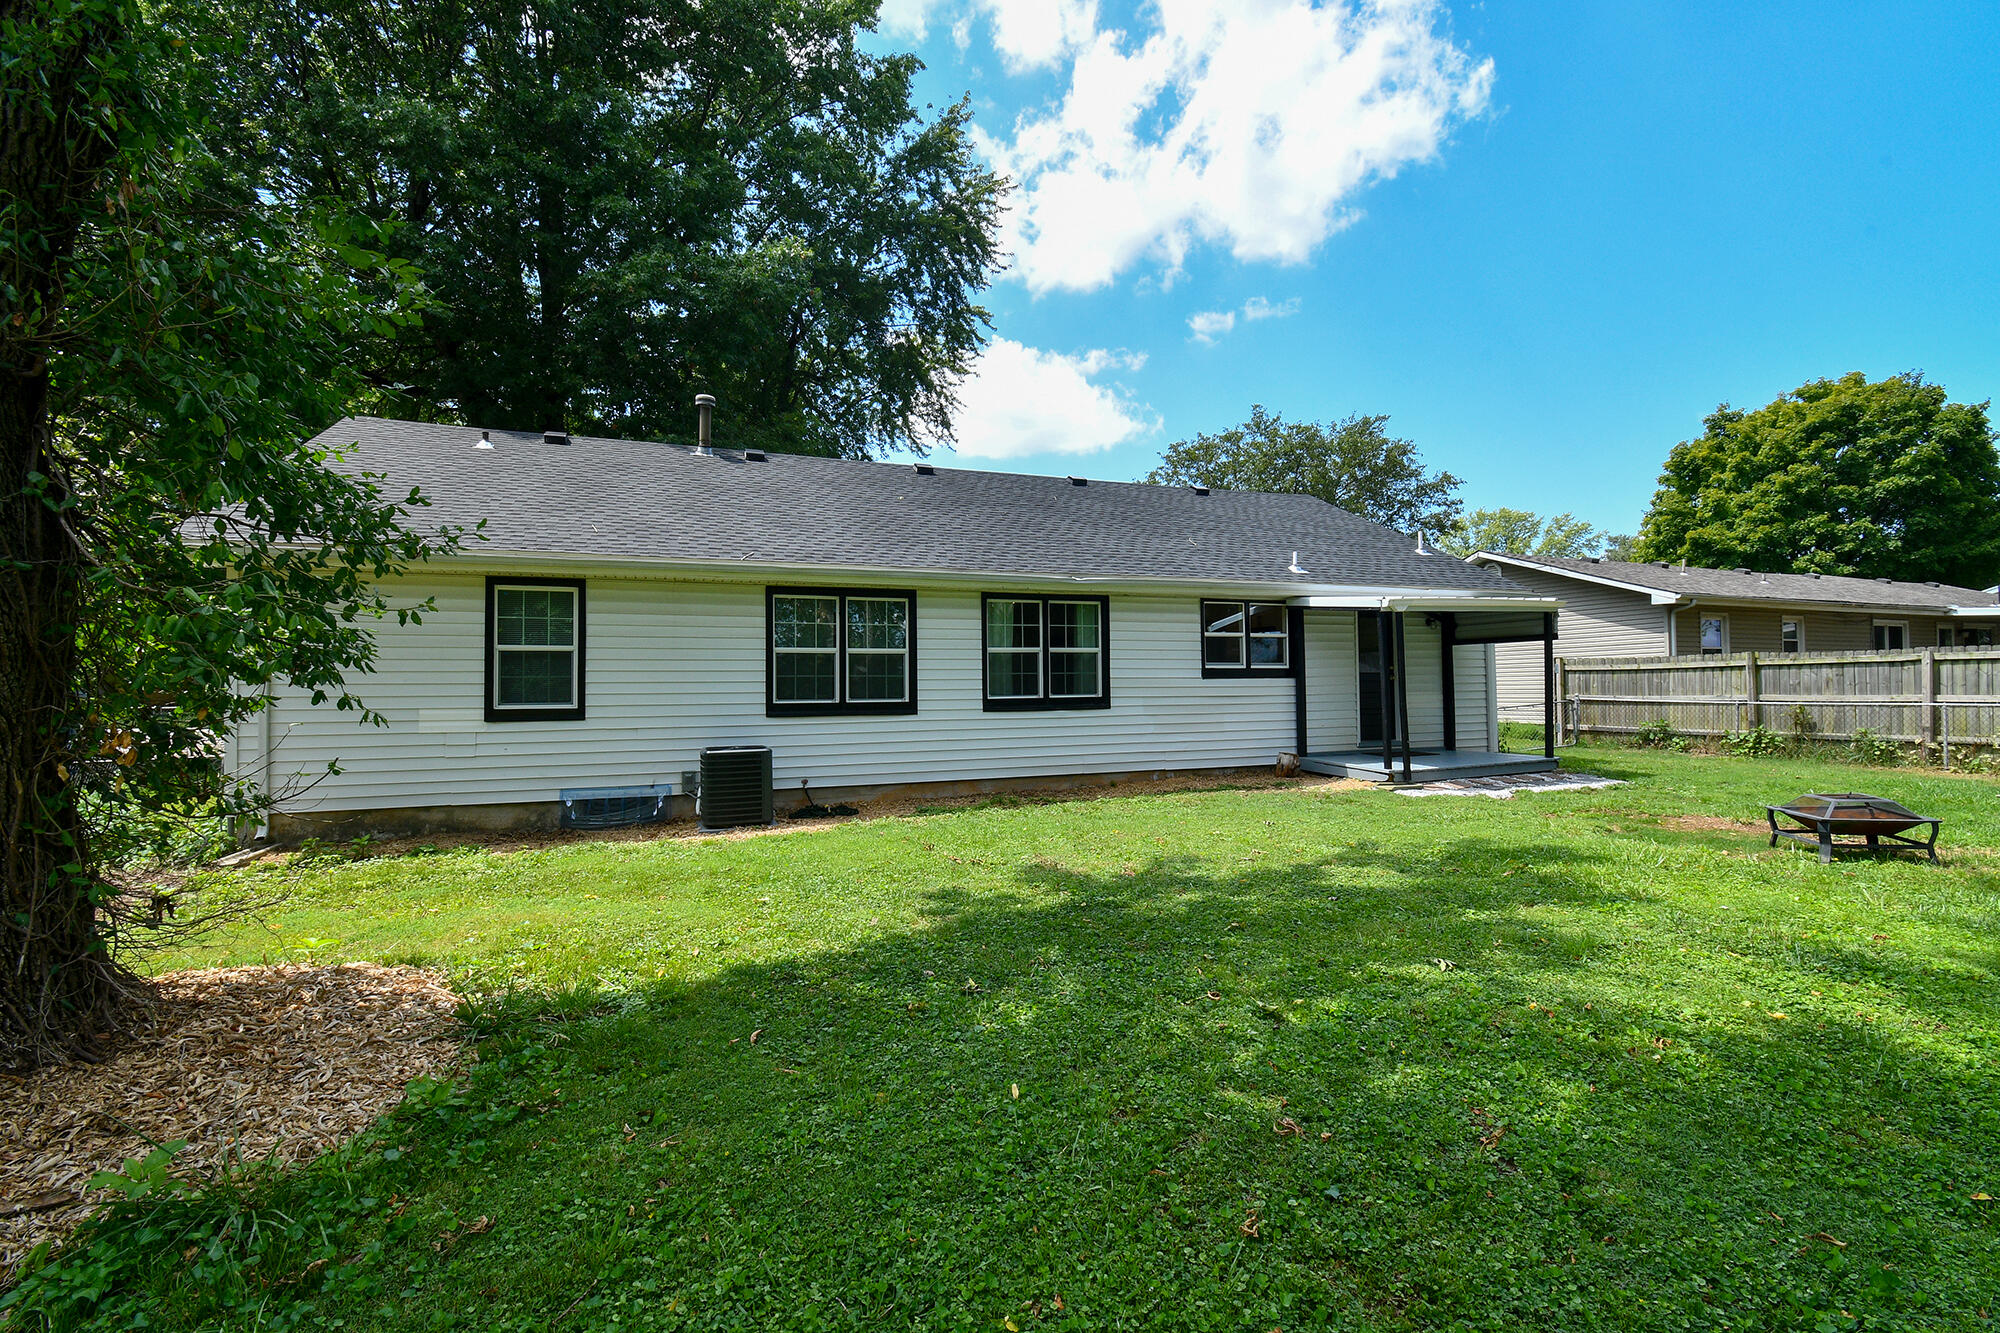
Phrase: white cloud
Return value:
(1240, 123)
(1208, 325)
(1028, 34)
(1021, 401)
(1257, 308)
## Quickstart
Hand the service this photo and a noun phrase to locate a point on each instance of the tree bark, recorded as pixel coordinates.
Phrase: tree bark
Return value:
(58, 985)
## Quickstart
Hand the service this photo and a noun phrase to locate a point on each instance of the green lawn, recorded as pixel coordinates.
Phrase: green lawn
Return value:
(1219, 1060)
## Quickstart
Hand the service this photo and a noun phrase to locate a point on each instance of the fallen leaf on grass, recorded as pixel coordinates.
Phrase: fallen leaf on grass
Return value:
(480, 1225)
(1015, 1089)
(1286, 1128)
(753, 1036)
(1249, 1227)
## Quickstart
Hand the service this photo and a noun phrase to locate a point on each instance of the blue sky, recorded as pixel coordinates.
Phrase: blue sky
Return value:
(1545, 238)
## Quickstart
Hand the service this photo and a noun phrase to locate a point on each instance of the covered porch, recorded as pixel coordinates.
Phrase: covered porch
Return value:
(1383, 682)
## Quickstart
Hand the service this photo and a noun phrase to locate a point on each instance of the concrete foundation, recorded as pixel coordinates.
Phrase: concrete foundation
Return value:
(546, 816)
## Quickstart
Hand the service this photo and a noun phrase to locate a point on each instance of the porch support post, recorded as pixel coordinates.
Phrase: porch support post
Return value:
(1385, 642)
(1549, 715)
(1403, 690)
(1295, 625)
(1448, 633)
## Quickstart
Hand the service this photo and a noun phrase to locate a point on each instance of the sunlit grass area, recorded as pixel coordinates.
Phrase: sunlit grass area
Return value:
(1215, 1060)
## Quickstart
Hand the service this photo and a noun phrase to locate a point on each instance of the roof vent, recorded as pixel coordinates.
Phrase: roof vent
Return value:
(1199, 490)
(1663, 564)
(753, 455)
(1932, 583)
(1294, 567)
(1885, 580)
(704, 406)
(1812, 576)
(485, 440)
(1597, 560)
(555, 437)
(923, 469)
(1078, 481)
(1741, 570)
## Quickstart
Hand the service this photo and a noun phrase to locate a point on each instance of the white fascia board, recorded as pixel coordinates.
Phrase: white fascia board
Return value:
(1658, 597)
(1989, 611)
(487, 560)
(1408, 600)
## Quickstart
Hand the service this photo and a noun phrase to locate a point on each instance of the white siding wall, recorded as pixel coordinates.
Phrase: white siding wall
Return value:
(675, 666)
(1472, 666)
(1333, 694)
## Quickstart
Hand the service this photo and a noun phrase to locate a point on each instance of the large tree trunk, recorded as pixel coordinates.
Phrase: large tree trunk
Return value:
(58, 985)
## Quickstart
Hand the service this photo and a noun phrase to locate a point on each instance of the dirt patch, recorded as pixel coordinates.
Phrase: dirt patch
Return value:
(243, 1062)
(902, 805)
(1712, 824)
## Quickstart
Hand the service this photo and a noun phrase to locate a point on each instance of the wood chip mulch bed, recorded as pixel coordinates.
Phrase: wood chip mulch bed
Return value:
(243, 1062)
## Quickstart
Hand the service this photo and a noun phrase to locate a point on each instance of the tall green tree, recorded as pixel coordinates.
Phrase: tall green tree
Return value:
(620, 203)
(168, 337)
(1355, 464)
(1521, 532)
(1882, 479)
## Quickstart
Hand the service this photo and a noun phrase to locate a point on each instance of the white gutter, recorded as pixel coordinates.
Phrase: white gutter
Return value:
(1427, 601)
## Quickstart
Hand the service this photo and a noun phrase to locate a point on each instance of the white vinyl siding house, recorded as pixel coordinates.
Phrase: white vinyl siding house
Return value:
(676, 665)
(877, 626)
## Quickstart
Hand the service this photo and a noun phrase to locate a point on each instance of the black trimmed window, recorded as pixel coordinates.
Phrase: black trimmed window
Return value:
(1242, 639)
(1046, 652)
(534, 649)
(840, 650)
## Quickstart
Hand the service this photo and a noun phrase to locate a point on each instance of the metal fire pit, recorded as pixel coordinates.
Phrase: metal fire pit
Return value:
(1878, 820)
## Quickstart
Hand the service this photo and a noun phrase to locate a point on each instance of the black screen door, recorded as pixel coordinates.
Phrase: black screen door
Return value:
(1376, 672)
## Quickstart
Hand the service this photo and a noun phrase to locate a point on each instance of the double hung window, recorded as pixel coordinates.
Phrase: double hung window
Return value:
(534, 650)
(1046, 652)
(835, 650)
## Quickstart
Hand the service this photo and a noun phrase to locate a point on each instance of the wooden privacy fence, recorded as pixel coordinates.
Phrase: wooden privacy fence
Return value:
(1924, 696)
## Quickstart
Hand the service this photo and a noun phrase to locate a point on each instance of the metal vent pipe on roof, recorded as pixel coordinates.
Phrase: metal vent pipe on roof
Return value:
(704, 406)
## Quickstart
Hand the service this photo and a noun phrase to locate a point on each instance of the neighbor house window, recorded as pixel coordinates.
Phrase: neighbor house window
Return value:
(1791, 636)
(1245, 638)
(1892, 636)
(1945, 639)
(1046, 652)
(832, 650)
(534, 650)
(1714, 634)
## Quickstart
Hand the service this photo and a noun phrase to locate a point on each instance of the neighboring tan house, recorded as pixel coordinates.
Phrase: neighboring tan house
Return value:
(1614, 608)
(876, 625)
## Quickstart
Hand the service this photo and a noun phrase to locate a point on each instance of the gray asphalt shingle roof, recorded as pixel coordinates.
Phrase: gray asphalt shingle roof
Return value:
(635, 498)
(1789, 589)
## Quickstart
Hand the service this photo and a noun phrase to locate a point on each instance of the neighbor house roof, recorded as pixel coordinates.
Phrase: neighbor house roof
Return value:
(1743, 585)
(639, 500)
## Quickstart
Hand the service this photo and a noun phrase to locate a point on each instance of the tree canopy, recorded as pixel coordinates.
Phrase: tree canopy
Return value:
(171, 332)
(619, 203)
(1882, 479)
(1521, 532)
(1355, 464)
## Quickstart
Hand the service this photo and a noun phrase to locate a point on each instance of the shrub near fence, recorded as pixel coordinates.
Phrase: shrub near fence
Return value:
(1924, 696)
